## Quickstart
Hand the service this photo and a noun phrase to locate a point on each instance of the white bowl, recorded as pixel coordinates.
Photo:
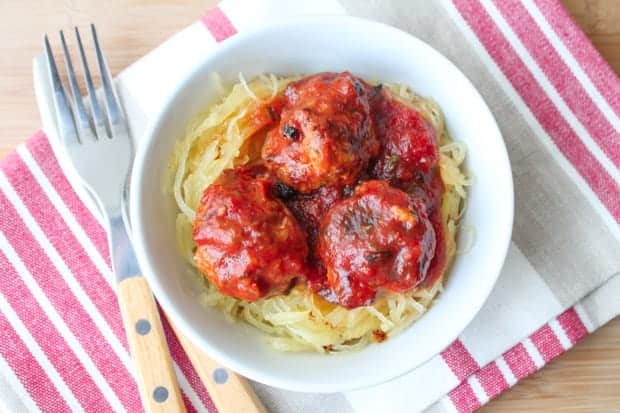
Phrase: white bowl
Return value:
(305, 46)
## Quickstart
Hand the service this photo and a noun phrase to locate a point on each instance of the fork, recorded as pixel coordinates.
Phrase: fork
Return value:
(97, 141)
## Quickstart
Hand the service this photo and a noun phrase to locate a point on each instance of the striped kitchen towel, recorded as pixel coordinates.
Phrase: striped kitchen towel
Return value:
(62, 346)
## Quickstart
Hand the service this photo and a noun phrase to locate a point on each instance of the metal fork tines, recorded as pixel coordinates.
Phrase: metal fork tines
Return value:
(76, 117)
(94, 135)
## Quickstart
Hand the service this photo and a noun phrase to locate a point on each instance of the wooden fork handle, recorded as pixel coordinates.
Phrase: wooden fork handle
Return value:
(230, 392)
(157, 382)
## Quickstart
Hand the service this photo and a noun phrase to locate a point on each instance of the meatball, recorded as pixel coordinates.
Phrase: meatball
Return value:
(408, 141)
(428, 187)
(249, 245)
(378, 239)
(309, 209)
(326, 134)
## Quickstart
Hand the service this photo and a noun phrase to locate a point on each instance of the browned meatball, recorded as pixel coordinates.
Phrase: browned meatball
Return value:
(326, 134)
(309, 209)
(249, 245)
(408, 142)
(378, 239)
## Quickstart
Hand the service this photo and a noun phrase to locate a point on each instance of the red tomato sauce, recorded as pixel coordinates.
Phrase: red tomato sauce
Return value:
(248, 243)
(326, 134)
(378, 239)
(348, 199)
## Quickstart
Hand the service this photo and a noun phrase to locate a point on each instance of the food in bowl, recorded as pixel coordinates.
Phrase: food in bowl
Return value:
(321, 209)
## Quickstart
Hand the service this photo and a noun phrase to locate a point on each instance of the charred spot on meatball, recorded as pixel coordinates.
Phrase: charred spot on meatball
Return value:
(359, 87)
(375, 90)
(290, 132)
(284, 191)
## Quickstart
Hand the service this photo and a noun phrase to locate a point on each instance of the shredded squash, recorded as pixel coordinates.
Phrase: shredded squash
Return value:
(301, 321)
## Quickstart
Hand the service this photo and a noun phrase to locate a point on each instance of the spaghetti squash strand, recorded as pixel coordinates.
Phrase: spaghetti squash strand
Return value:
(301, 320)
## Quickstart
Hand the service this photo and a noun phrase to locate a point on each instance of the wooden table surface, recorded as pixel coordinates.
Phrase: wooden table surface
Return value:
(586, 379)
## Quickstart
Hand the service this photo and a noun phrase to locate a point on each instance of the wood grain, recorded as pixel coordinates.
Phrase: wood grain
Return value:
(157, 380)
(231, 393)
(586, 379)
(600, 20)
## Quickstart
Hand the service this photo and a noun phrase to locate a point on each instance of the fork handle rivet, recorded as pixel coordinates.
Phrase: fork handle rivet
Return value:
(143, 327)
(160, 394)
